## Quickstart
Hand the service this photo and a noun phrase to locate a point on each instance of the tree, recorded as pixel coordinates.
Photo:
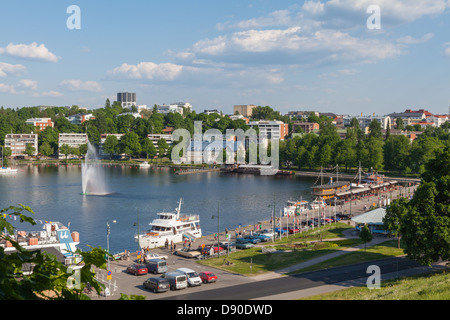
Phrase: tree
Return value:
(400, 124)
(148, 148)
(111, 145)
(49, 278)
(365, 235)
(65, 150)
(375, 129)
(46, 149)
(426, 223)
(129, 144)
(29, 149)
(396, 153)
(162, 147)
(395, 213)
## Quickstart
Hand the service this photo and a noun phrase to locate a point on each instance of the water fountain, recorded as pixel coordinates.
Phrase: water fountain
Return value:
(92, 178)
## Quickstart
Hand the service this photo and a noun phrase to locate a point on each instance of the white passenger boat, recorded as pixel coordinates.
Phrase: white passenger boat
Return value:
(170, 226)
(295, 207)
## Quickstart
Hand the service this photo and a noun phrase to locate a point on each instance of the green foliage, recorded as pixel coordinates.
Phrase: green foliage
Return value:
(424, 222)
(50, 278)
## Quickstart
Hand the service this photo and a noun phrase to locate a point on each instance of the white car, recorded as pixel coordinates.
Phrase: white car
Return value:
(152, 255)
(268, 232)
(193, 278)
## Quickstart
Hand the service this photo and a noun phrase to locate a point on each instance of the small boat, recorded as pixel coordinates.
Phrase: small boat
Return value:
(8, 170)
(144, 165)
(295, 207)
(318, 203)
(170, 227)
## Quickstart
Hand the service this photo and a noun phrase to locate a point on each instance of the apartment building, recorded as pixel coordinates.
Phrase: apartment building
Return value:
(72, 140)
(271, 129)
(244, 109)
(18, 142)
(41, 123)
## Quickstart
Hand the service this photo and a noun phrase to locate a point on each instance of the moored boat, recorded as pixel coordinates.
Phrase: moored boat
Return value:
(170, 227)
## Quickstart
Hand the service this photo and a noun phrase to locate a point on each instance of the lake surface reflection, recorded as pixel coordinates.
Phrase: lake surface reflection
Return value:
(54, 193)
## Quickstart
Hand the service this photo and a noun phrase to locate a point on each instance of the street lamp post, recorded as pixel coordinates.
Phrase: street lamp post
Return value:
(108, 231)
(218, 229)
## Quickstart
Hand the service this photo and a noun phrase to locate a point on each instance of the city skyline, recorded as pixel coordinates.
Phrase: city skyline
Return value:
(310, 55)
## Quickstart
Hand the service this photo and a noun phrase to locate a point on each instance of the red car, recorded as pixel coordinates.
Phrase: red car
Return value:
(137, 269)
(291, 230)
(207, 277)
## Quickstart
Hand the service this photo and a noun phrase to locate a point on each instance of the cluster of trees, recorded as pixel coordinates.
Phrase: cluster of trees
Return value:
(374, 150)
(423, 223)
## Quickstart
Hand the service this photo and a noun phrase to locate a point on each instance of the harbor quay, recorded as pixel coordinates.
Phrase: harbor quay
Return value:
(117, 280)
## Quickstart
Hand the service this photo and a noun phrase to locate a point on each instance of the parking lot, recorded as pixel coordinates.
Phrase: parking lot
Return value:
(123, 282)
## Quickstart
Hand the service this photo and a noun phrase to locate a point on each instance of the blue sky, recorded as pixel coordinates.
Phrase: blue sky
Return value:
(291, 55)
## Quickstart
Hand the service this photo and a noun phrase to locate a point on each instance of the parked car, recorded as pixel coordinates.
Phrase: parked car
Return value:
(278, 230)
(262, 237)
(252, 239)
(137, 269)
(176, 280)
(156, 284)
(152, 255)
(291, 230)
(228, 245)
(192, 277)
(268, 232)
(243, 244)
(207, 277)
(156, 266)
(209, 249)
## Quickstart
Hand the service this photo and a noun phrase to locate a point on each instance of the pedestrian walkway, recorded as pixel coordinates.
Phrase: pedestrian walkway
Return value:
(348, 235)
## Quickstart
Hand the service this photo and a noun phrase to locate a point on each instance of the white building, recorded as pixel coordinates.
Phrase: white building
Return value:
(80, 118)
(72, 140)
(174, 107)
(18, 142)
(271, 129)
(364, 121)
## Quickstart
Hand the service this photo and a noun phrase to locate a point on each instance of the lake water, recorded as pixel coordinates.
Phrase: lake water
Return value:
(54, 194)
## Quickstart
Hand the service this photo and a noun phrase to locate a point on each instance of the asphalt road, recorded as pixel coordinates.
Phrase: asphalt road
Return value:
(286, 284)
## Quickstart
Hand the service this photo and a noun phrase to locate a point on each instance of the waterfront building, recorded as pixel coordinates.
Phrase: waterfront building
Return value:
(18, 142)
(244, 109)
(72, 140)
(271, 129)
(41, 123)
(127, 99)
(157, 136)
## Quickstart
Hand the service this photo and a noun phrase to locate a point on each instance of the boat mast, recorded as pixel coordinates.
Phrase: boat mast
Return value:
(179, 208)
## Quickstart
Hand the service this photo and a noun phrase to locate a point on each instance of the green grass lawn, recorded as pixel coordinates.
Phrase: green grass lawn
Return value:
(435, 286)
(293, 250)
(381, 251)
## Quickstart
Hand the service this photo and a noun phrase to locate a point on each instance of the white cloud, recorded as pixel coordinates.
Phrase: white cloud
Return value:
(147, 70)
(78, 85)
(28, 84)
(6, 88)
(276, 18)
(6, 69)
(392, 11)
(412, 40)
(31, 51)
(50, 93)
